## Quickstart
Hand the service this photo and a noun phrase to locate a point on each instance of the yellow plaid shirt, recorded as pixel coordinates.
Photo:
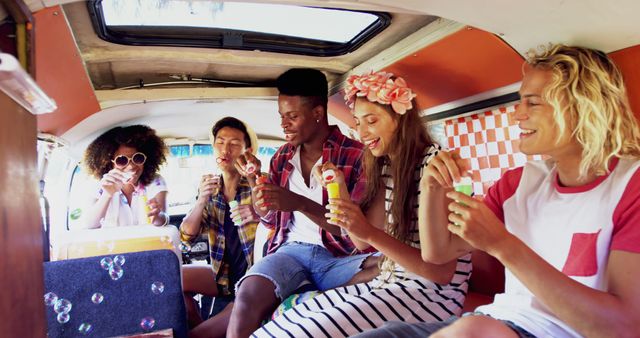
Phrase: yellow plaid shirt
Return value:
(213, 223)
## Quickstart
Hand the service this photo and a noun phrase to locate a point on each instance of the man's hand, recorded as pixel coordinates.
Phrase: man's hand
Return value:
(248, 165)
(209, 185)
(274, 197)
(245, 213)
(319, 169)
(474, 222)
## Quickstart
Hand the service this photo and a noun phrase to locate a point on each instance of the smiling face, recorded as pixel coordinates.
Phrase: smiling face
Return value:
(535, 116)
(134, 169)
(375, 125)
(298, 119)
(227, 146)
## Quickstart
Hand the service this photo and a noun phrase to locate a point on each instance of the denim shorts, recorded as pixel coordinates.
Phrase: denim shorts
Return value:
(395, 329)
(294, 263)
(522, 333)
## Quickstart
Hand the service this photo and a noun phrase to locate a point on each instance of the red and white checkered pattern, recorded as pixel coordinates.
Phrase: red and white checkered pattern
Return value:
(490, 140)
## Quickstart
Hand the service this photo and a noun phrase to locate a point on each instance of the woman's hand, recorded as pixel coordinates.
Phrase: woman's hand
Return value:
(444, 168)
(156, 214)
(113, 181)
(245, 213)
(349, 216)
(209, 185)
(474, 222)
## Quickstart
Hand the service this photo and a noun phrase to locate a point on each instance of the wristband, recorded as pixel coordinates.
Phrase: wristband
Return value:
(166, 218)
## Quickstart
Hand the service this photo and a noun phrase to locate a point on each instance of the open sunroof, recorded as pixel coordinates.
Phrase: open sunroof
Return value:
(235, 25)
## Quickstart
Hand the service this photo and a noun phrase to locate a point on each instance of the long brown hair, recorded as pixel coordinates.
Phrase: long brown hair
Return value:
(406, 149)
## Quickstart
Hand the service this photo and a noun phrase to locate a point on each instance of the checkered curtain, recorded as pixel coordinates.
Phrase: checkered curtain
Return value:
(490, 140)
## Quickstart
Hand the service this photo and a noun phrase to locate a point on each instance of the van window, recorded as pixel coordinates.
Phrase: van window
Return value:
(186, 164)
(488, 138)
(233, 25)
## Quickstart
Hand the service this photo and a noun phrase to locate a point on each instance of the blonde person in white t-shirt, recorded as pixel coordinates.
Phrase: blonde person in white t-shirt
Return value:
(126, 161)
(566, 229)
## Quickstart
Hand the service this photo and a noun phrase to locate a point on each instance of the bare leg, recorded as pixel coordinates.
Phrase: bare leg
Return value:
(369, 271)
(197, 279)
(214, 327)
(255, 300)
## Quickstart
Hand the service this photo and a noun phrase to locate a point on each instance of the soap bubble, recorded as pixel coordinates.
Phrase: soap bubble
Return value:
(115, 272)
(97, 298)
(50, 298)
(185, 248)
(63, 317)
(85, 328)
(119, 260)
(147, 323)
(106, 263)
(157, 288)
(62, 306)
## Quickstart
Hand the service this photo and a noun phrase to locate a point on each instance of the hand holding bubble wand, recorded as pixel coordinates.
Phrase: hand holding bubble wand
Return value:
(333, 192)
(465, 186)
(333, 188)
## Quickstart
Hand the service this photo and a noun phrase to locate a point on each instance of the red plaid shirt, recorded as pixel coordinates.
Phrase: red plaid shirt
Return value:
(340, 150)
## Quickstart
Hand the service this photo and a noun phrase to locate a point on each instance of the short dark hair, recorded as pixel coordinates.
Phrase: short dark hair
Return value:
(234, 123)
(306, 82)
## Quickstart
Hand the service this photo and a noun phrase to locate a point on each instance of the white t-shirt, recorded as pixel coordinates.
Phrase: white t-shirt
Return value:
(120, 213)
(572, 228)
(301, 228)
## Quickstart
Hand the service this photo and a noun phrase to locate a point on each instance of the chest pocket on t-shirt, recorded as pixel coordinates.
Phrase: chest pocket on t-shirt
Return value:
(582, 259)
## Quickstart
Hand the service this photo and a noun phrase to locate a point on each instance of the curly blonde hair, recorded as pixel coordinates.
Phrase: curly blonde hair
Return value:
(588, 86)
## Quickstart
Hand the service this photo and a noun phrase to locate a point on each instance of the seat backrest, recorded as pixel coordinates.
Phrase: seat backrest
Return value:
(148, 290)
(488, 274)
(486, 281)
(115, 240)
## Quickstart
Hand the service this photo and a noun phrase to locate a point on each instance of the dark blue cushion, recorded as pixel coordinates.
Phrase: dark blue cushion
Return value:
(126, 302)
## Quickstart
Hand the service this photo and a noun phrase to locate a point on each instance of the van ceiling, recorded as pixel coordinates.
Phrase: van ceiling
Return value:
(588, 22)
(605, 25)
(112, 66)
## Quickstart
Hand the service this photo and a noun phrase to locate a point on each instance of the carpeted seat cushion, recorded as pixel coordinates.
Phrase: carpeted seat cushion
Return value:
(142, 295)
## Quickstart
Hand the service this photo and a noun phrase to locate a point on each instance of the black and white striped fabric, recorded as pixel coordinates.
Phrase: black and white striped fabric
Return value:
(398, 295)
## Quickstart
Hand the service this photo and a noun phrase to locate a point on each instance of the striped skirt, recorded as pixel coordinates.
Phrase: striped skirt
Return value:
(349, 310)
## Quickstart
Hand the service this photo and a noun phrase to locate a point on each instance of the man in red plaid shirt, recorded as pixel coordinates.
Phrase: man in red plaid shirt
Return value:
(304, 248)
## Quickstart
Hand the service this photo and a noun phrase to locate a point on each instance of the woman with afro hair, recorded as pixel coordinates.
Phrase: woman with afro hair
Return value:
(126, 161)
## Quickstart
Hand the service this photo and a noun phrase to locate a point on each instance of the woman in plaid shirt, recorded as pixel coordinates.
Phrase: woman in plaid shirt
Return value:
(231, 231)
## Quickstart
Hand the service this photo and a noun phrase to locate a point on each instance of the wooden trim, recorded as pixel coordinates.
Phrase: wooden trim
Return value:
(21, 305)
(21, 13)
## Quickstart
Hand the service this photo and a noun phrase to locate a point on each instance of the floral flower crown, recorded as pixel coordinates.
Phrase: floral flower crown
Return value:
(378, 87)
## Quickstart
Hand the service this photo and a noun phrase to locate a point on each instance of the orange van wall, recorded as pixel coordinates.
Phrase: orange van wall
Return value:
(465, 63)
(60, 73)
(628, 60)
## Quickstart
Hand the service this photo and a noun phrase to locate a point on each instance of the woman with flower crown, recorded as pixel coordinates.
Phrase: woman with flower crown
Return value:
(396, 219)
